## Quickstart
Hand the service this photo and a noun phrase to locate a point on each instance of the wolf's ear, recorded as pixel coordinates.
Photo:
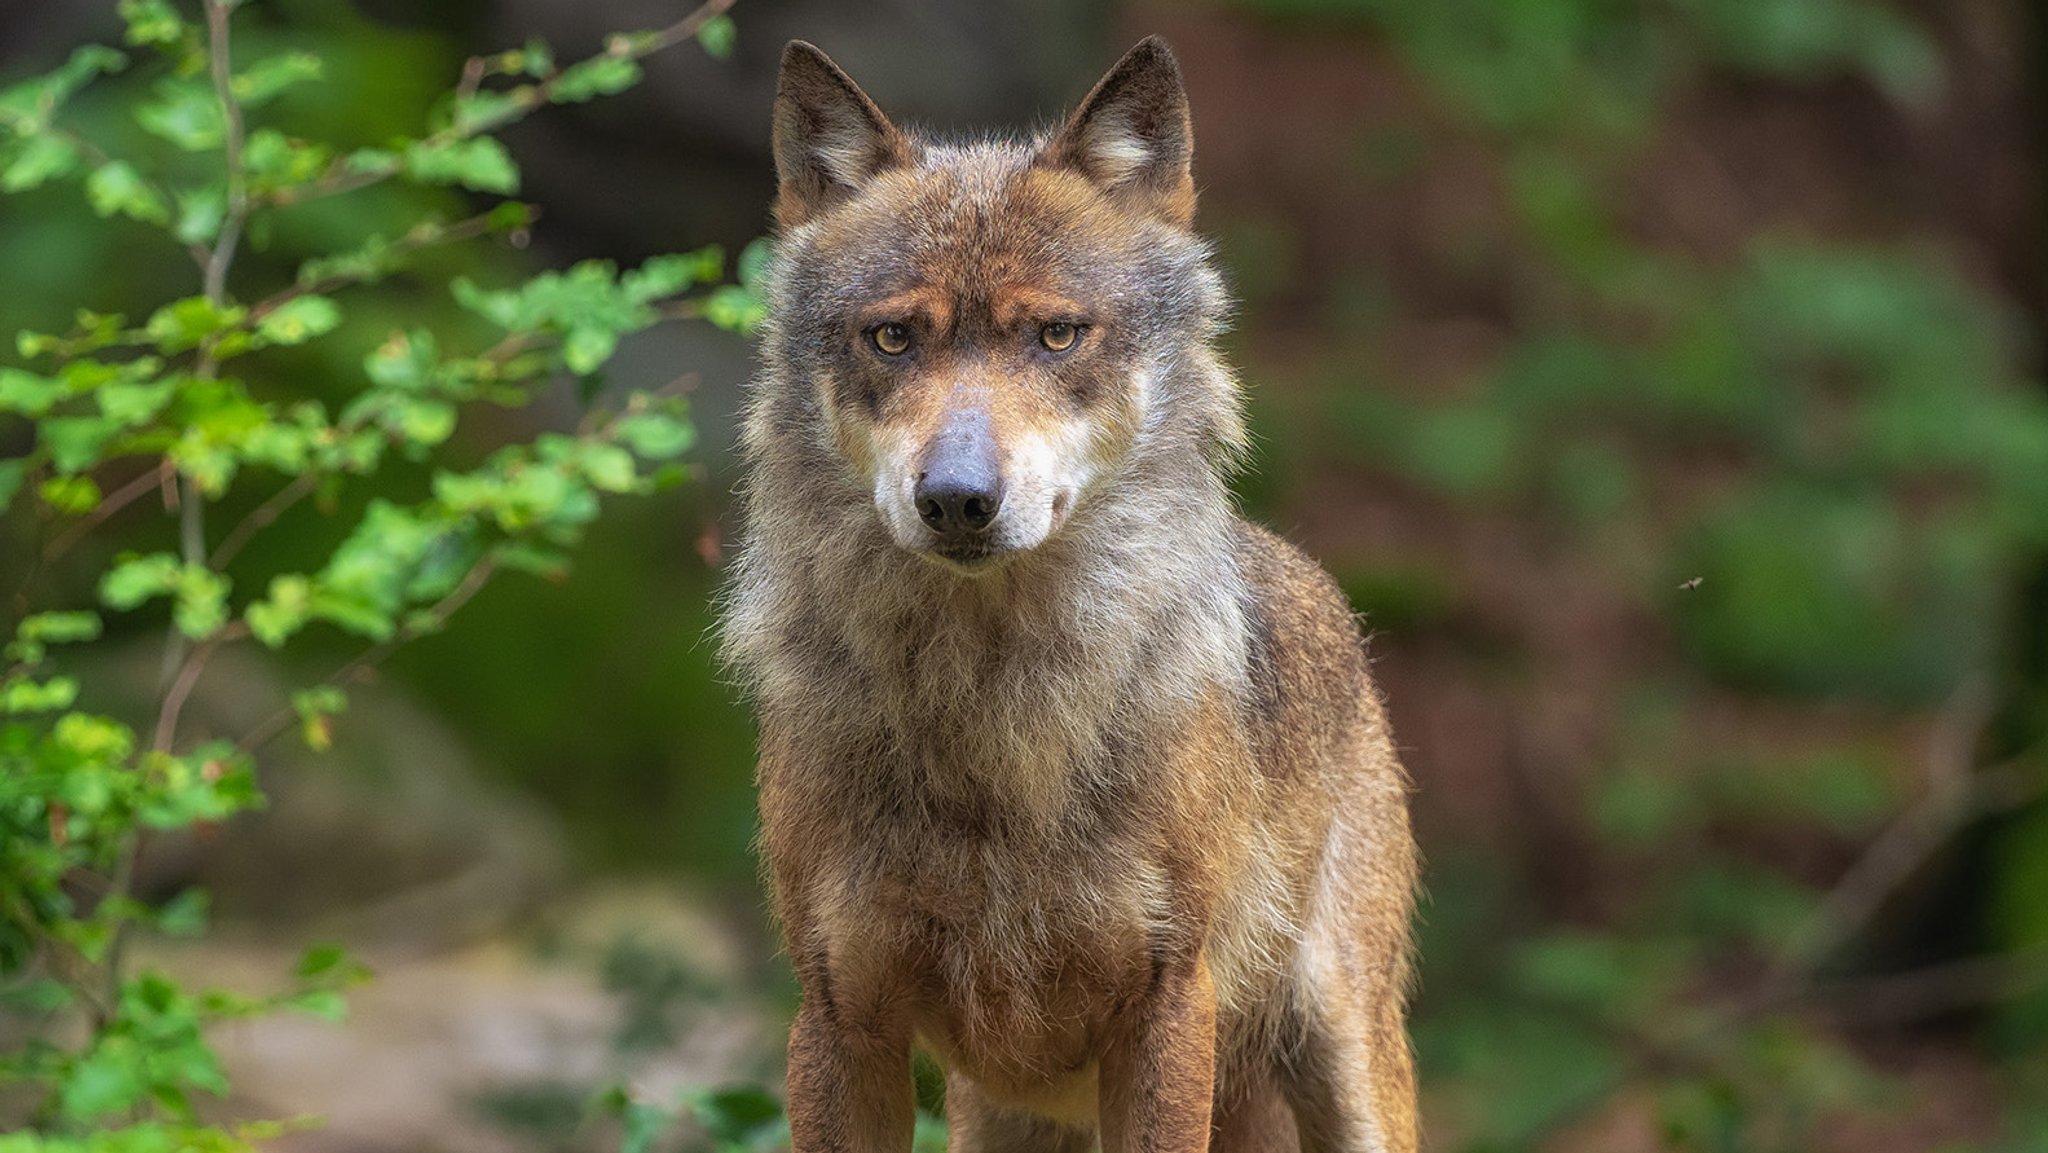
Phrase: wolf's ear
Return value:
(1132, 135)
(829, 137)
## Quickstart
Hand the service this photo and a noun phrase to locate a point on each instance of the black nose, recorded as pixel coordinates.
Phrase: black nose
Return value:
(961, 488)
(956, 502)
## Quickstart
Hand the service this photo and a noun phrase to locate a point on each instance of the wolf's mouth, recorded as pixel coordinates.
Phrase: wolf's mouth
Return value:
(967, 555)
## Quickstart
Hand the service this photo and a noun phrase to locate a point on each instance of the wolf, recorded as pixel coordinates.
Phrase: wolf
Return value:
(1068, 774)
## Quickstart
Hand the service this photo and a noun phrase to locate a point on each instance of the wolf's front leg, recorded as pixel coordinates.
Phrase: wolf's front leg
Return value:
(850, 1089)
(1158, 1072)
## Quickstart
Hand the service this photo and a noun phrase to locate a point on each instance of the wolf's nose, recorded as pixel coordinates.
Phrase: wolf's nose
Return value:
(958, 501)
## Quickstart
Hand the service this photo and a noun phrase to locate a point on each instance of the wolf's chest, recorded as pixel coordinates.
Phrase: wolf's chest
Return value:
(1015, 956)
(1016, 896)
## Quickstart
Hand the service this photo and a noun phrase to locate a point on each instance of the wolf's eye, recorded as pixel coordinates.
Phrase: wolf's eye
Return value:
(891, 339)
(1059, 336)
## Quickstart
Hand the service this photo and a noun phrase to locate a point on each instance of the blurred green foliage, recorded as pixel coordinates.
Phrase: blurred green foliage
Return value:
(1817, 473)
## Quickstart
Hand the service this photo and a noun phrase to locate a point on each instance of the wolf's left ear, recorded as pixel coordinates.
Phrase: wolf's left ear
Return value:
(1132, 135)
(829, 137)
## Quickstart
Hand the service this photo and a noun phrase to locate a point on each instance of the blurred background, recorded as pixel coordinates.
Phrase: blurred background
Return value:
(1662, 379)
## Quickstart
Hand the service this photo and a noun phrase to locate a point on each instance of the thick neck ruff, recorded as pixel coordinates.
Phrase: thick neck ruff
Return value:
(1015, 680)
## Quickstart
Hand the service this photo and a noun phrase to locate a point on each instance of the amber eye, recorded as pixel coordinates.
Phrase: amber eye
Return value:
(1059, 336)
(891, 339)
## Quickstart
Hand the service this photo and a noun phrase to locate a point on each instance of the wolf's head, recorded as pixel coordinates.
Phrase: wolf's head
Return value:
(987, 339)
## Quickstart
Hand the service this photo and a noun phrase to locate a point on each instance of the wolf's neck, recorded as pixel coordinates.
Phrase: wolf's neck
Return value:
(1115, 629)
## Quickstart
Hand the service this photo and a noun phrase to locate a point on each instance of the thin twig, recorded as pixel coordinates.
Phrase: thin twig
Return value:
(187, 678)
(1918, 994)
(1954, 797)
(472, 78)
(220, 65)
(260, 518)
(417, 240)
(191, 502)
(110, 504)
(343, 176)
(182, 664)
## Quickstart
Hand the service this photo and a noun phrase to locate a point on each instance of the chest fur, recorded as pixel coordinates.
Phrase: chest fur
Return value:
(1009, 950)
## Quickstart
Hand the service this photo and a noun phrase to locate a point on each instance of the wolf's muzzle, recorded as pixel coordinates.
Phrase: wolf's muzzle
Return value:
(960, 488)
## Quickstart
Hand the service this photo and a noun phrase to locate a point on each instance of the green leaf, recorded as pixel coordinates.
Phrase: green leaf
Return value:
(500, 308)
(395, 556)
(662, 276)
(41, 158)
(12, 474)
(299, 320)
(268, 77)
(71, 495)
(39, 997)
(184, 915)
(642, 1125)
(274, 160)
(92, 331)
(537, 58)
(586, 349)
(74, 442)
(405, 361)
(284, 612)
(373, 162)
(27, 394)
(320, 700)
(117, 188)
(755, 260)
(200, 213)
(718, 36)
(129, 403)
(61, 628)
(109, 1079)
(185, 112)
(538, 560)
(479, 163)
(201, 607)
(324, 963)
(598, 76)
(609, 467)
(93, 738)
(152, 22)
(653, 436)
(482, 110)
(325, 1004)
(136, 579)
(426, 422)
(27, 696)
(737, 1116)
(186, 323)
(1900, 58)
(735, 309)
(28, 107)
(211, 783)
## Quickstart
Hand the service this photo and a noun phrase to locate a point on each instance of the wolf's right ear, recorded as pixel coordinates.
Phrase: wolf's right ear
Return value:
(829, 137)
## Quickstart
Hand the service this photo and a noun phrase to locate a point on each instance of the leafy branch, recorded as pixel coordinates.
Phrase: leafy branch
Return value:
(187, 395)
(477, 111)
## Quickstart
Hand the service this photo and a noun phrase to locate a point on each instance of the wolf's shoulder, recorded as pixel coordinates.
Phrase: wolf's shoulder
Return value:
(1301, 626)
(1284, 578)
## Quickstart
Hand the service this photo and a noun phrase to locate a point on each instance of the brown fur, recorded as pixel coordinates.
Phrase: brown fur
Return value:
(1103, 811)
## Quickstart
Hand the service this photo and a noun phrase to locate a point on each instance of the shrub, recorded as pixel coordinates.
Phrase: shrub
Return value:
(204, 399)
